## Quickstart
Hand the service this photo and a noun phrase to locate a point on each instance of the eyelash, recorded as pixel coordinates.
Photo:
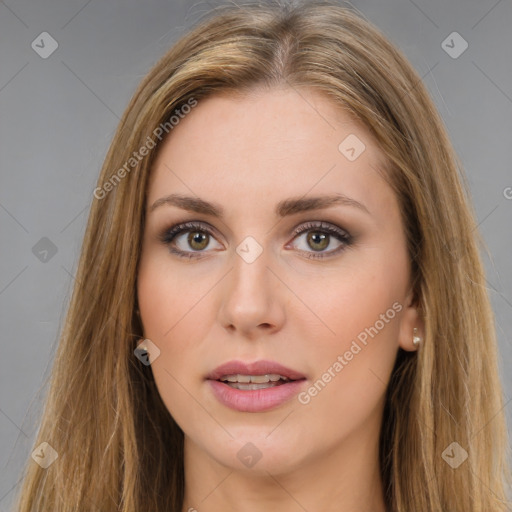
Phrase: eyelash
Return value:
(168, 235)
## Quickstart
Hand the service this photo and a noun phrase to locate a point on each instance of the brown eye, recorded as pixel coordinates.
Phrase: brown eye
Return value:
(318, 241)
(198, 240)
(319, 236)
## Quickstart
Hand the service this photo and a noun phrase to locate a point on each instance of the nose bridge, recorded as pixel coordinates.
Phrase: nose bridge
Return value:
(251, 298)
(250, 274)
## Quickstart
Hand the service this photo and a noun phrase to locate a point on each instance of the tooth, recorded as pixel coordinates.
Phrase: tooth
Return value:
(252, 386)
(259, 379)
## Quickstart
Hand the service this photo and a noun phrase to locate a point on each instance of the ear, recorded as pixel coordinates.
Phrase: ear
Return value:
(411, 317)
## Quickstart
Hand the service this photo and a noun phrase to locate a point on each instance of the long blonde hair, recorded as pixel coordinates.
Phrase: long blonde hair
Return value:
(118, 447)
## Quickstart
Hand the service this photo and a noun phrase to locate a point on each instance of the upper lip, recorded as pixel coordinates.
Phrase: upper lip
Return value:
(262, 367)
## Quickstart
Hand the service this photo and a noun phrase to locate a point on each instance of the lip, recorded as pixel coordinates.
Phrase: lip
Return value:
(255, 400)
(261, 367)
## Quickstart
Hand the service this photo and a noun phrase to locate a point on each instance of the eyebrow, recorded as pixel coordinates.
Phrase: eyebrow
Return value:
(284, 208)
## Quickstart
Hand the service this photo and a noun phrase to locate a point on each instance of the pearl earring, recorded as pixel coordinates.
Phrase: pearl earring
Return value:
(416, 340)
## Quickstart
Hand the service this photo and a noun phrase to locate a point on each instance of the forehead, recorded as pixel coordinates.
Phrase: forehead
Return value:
(253, 150)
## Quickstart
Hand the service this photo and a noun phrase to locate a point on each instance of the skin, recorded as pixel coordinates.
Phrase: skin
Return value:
(247, 154)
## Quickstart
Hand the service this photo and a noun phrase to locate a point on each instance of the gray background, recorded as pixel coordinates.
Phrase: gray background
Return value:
(59, 114)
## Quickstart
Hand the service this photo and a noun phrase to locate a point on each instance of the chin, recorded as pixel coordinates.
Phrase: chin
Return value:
(259, 450)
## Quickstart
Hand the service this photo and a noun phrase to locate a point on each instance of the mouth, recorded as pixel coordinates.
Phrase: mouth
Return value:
(254, 387)
(250, 382)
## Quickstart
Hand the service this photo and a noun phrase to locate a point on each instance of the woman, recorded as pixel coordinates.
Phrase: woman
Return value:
(280, 302)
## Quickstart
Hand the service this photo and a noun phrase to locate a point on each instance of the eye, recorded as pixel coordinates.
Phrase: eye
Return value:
(190, 239)
(198, 238)
(319, 236)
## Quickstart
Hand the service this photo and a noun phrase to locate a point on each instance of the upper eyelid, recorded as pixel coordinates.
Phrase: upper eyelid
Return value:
(321, 225)
(344, 237)
(184, 227)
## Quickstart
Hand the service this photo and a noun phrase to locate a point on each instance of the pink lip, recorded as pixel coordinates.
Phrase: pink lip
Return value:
(255, 400)
(262, 367)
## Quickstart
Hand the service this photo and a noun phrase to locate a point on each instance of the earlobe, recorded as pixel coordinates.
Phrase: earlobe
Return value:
(416, 339)
(412, 327)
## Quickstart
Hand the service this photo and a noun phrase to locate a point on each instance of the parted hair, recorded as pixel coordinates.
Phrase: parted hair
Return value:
(118, 446)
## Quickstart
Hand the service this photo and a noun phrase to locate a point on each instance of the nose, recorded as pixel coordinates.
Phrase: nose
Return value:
(252, 300)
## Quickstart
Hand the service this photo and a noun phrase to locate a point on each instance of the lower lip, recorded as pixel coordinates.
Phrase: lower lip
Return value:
(255, 400)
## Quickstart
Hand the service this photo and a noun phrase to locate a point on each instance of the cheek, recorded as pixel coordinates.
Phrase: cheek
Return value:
(176, 313)
(170, 296)
(352, 351)
(354, 354)
(354, 299)
(350, 379)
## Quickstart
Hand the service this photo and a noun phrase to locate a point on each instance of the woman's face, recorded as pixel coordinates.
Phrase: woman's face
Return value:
(330, 304)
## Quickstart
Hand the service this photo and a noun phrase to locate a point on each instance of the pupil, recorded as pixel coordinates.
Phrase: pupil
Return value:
(319, 238)
(197, 238)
